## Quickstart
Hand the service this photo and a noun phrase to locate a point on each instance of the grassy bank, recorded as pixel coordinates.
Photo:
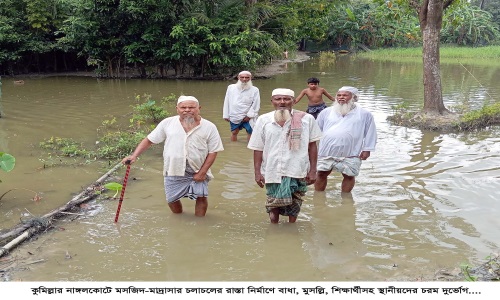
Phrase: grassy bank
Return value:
(489, 55)
(446, 52)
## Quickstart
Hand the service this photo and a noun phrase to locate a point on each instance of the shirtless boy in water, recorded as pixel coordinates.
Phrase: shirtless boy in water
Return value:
(315, 95)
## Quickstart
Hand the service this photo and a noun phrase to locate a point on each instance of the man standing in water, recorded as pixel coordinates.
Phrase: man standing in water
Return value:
(349, 135)
(241, 105)
(191, 146)
(285, 155)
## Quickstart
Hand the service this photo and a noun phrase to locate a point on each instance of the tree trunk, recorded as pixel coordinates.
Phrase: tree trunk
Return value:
(431, 17)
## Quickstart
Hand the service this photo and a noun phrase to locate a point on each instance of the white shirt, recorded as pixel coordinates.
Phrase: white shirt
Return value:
(239, 103)
(278, 160)
(193, 146)
(346, 136)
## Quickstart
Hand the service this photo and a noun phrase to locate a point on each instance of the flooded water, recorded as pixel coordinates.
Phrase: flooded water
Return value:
(424, 201)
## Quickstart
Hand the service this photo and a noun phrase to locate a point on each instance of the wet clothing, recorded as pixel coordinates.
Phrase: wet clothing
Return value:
(346, 136)
(240, 126)
(177, 187)
(286, 195)
(315, 109)
(349, 166)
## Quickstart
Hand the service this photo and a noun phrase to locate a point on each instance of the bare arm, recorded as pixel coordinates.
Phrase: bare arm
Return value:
(313, 159)
(302, 94)
(201, 175)
(328, 95)
(143, 146)
(257, 163)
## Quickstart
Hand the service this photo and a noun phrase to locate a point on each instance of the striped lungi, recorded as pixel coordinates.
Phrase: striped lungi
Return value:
(287, 196)
(177, 187)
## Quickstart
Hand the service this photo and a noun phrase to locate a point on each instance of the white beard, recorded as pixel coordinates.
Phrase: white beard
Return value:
(189, 122)
(282, 115)
(343, 109)
(244, 86)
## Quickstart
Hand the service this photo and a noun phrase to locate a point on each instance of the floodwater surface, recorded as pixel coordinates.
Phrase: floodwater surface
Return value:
(424, 201)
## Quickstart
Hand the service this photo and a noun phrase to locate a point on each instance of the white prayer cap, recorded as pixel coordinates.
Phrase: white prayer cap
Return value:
(245, 73)
(187, 98)
(354, 91)
(283, 92)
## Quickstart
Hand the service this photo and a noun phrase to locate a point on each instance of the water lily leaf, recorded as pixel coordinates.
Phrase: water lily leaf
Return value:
(7, 162)
(114, 186)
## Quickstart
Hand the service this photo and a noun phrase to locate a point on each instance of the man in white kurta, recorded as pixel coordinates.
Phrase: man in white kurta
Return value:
(349, 136)
(190, 147)
(241, 105)
(285, 152)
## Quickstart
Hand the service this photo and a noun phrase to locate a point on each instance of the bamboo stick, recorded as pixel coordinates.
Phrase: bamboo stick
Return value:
(24, 230)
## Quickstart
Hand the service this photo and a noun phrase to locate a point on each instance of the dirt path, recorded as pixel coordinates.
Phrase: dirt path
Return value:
(280, 66)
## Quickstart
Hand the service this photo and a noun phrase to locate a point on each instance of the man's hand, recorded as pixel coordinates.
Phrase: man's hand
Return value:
(226, 119)
(311, 177)
(246, 119)
(260, 180)
(199, 176)
(364, 155)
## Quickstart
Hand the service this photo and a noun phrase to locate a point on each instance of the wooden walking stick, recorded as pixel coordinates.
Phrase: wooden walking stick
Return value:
(125, 179)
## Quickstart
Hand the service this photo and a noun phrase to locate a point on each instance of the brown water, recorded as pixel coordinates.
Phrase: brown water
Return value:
(423, 201)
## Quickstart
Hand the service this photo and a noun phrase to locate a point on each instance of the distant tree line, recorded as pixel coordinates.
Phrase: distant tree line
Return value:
(211, 38)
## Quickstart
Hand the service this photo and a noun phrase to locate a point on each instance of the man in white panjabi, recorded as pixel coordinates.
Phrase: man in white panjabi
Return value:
(190, 147)
(285, 153)
(349, 136)
(241, 105)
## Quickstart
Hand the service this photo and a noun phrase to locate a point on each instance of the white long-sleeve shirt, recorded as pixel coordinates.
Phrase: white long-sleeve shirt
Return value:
(346, 136)
(272, 139)
(239, 103)
(193, 146)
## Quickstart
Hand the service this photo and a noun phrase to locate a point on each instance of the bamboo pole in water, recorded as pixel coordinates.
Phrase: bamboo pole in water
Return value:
(26, 230)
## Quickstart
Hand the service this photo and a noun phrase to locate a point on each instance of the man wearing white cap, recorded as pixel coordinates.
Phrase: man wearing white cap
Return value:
(190, 147)
(285, 155)
(349, 136)
(241, 105)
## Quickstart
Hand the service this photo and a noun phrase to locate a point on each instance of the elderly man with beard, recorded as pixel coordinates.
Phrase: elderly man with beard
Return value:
(285, 155)
(349, 135)
(241, 105)
(191, 144)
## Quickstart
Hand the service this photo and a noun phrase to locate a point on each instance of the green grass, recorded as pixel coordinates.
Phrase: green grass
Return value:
(446, 52)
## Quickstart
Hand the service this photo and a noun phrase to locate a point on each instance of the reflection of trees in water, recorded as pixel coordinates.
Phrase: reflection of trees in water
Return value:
(327, 59)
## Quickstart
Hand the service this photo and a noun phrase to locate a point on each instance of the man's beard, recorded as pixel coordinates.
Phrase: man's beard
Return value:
(282, 115)
(343, 109)
(189, 122)
(244, 85)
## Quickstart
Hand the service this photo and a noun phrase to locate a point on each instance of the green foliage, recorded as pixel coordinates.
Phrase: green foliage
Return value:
(147, 110)
(468, 25)
(486, 116)
(489, 270)
(114, 186)
(489, 53)
(212, 38)
(116, 140)
(7, 162)
(465, 268)
(118, 144)
(64, 147)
